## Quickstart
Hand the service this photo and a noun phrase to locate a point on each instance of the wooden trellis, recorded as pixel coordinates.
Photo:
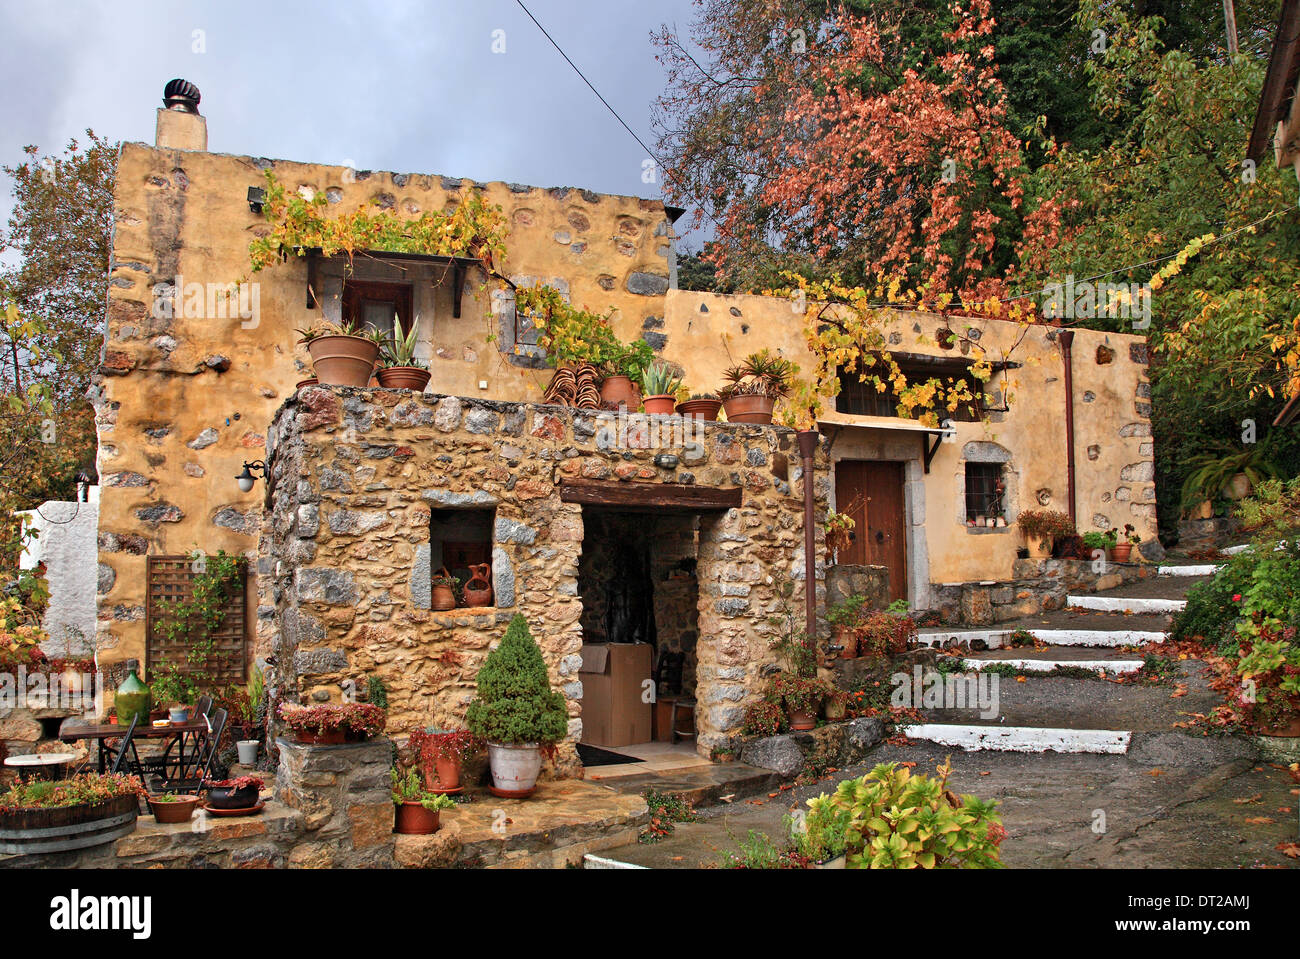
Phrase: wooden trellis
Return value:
(170, 579)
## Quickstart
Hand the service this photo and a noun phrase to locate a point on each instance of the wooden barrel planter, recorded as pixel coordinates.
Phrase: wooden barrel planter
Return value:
(29, 831)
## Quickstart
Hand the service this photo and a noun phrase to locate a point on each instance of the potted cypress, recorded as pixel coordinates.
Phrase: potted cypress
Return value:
(516, 712)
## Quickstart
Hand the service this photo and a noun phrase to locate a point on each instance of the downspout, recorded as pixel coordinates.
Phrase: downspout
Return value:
(1067, 349)
(807, 447)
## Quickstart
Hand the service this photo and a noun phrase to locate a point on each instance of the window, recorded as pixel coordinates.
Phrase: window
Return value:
(376, 304)
(863, 399)
(985, 489)
(459, 539)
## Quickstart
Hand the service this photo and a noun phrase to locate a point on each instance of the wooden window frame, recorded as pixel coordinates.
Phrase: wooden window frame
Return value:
(356, 293)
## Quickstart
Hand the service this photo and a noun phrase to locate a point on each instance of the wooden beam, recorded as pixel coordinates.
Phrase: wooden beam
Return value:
(655, 495)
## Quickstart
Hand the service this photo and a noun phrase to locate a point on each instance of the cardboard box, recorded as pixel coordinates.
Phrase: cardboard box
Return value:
(614, 712)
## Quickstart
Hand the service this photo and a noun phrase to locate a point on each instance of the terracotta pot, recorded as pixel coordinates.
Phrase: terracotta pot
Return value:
(620, 391)
(343, 360)
(702, 409)
(412, 819)
(404, 378)
(445, 775)
(749, 409)
(481, 594)
(1239, 487)
(801, 720)
(846, 637)
(1040, 547)
(303, 384)
(836, 709)
(1120, 552)
(662, 404)
(1204, 511)
(177, 809)
(443, 597)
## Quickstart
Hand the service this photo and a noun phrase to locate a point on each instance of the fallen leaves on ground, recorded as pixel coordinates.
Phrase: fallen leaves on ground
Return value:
(1291, 849)
(1179, 690)
(1155, 772)
(1260, 820)
(1249, 799)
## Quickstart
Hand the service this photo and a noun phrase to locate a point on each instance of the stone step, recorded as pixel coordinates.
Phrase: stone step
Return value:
(1022, 739)
(1126, 604)
(996, 638)
(1029, 659)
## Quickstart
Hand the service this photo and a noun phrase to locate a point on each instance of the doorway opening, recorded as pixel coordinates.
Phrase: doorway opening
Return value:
(640, 630)
(872, 493)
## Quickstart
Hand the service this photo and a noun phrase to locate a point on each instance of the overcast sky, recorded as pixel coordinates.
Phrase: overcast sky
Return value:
(403, 85)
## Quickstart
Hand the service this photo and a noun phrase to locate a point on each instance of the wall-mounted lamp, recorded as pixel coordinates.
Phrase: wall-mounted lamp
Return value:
(256, 198)
(249, 476)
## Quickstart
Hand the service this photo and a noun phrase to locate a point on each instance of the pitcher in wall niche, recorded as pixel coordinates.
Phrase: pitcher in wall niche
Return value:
(478, 589)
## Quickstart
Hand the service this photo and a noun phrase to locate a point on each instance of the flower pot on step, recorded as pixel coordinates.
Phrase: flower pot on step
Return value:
(412, 819)
(340, 360)
(620, 391)
(750, 408)
(662, 404)
(515, 768)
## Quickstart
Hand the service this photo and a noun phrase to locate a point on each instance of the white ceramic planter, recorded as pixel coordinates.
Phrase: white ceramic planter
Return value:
(247, 751)
(839, 862)
(515, 768)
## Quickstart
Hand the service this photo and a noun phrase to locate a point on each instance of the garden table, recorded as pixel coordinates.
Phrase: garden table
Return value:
(42, 765)
(188, 735)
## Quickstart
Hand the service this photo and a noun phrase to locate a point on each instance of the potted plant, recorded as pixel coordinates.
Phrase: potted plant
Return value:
(170, 808)
(1122, 551)
(241, 792)
(442, 755)
(754, 387)
(1041, 528)
(802, 697)
(171, 686)
(1103, 540)
(823, 838)
(416, 810)
(704, 406)
(341, 354)
(1231, 475)
(846, 619)
(623, 366)
(886, 633)
(516, 711)
(839, 533)
(443, 592)
(333, 724)
(399, 369)
(88, 809)
(661, 385)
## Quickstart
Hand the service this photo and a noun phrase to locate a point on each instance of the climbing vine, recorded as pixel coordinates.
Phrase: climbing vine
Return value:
(194, 623)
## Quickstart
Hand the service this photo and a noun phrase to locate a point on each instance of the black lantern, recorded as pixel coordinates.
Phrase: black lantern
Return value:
(249, 476)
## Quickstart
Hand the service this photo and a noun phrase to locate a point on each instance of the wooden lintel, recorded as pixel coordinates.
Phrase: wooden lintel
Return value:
(657, 495)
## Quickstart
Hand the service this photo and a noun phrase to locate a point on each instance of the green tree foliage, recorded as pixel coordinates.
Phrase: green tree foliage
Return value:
(515, 702)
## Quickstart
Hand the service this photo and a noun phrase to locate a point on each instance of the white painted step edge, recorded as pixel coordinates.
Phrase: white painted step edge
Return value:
(1234, 550)
(1209, 570)
(1022, 739)
(996, 638)
(1117, 666)
(590, 861)
(1120, 604)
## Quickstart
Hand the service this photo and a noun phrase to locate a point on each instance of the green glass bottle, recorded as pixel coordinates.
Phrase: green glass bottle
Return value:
(133, 699)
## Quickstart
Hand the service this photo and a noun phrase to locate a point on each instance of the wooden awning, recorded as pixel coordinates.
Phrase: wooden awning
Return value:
(457, 264)
(657, 496)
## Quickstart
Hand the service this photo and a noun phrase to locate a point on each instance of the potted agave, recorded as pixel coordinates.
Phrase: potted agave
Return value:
(341, 355)
(416, 810)
(399, 369)
(661, 385)
(754, 387)
(704, 406)
(516, 712)
(442, 755)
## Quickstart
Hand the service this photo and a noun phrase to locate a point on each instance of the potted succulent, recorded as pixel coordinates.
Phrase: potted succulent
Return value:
(442, 755)
(661, 385)
(399, 369)
(341, 354)
(754, 387)
(333, 724)
(443, 592)
(241, 792)
(516, 711)
(171, 808)
(416, 810)
(704, 406)
(1041, 528)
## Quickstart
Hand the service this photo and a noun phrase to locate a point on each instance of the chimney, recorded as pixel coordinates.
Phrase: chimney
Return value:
(180, 126)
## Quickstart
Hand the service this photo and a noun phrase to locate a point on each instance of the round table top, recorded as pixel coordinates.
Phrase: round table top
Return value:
(41, 759)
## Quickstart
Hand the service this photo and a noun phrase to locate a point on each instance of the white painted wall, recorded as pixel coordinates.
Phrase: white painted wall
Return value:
(68, 546)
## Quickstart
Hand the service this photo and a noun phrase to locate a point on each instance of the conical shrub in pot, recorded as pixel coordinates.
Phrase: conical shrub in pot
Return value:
(516, 711)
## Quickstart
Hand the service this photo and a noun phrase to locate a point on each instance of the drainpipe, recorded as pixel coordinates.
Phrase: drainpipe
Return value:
(807, 447)
(1067, 346)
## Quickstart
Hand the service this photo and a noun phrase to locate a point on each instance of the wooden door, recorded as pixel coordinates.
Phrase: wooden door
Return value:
(872, 493)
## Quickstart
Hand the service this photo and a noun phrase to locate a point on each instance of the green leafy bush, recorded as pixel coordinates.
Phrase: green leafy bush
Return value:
(515, 703)
(896, 820)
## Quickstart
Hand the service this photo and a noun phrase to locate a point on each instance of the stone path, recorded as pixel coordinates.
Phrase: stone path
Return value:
(1089, 772)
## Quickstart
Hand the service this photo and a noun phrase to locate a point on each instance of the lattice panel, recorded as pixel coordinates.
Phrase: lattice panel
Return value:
(171, 580)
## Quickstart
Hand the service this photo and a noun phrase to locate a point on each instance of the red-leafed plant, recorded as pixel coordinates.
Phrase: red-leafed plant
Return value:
(357, 719)
(239, 782)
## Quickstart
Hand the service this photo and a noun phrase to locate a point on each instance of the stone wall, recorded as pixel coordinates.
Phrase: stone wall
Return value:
(344, 553)
(1037, 585)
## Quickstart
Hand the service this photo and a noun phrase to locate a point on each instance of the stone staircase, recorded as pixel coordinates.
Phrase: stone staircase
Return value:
(1041, 698)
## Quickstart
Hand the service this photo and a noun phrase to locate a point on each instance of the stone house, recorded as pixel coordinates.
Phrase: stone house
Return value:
(369, 491)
